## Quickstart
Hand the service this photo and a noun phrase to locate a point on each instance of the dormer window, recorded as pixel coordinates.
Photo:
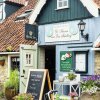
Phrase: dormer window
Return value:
(61, 4)
(24, 15)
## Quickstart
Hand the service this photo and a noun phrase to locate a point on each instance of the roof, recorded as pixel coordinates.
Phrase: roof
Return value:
(97, 2)
(91, 5)
(12, 33)
(36, 11)
(21, 2)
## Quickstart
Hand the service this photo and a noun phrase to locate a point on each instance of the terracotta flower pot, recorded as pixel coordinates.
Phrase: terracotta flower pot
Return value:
(10, 93)
(2, 62)
(72, 98)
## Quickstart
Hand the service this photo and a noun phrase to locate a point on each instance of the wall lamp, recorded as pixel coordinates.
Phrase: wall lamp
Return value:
(81, 26)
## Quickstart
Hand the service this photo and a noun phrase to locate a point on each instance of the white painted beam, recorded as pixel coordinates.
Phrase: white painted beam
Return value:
(36, 11)
(91, 7)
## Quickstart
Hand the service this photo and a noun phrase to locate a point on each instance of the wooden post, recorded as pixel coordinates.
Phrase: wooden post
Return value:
(49, 83)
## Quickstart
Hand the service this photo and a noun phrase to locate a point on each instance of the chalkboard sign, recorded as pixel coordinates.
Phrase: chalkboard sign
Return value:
(36, 82)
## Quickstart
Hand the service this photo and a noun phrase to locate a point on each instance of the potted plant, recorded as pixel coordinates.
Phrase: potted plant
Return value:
(24, 96)
(2, 60)
(71, 76)
(12, 85)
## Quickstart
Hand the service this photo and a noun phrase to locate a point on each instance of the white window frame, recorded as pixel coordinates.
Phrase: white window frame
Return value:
(9, 63)
(63, 7)
(1, 11)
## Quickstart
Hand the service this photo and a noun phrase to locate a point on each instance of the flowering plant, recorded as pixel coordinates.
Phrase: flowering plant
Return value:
(73, 94)
(91, 84)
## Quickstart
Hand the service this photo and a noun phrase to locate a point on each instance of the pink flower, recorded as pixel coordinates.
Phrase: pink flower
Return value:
(67, 55)
(73, 94)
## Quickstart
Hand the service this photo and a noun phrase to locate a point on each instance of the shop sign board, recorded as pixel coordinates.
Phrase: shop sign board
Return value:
(61, 32)
(66, 61)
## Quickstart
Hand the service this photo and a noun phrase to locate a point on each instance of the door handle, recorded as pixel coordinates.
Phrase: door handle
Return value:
(25, 77)
(22, 76)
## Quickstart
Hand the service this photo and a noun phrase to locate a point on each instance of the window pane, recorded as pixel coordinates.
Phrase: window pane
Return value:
(60, 0)
(60, 4)
(15, 63)
(65, 3)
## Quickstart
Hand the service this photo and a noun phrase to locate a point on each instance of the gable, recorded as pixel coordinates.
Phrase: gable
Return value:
(50, 14)
(92, 6)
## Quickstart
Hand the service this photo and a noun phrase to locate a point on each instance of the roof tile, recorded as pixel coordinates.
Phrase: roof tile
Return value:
(12, 33)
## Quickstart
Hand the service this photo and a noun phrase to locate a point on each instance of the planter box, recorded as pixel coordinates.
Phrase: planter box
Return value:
(23, 96)
(2, 62)
(86, 96)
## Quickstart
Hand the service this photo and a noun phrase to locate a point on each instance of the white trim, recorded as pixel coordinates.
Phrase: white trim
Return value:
(36, 11)
(91, 7)
(97, 41)
(5, 53)
(9, 65)
(95, 49)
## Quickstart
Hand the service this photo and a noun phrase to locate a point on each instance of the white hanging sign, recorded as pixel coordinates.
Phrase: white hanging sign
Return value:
(61, 32)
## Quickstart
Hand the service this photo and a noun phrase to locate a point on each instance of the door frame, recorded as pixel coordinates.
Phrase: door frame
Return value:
(9, 62)
(33, 65)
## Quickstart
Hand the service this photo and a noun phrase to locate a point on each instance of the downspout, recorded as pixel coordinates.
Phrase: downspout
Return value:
(99, 10)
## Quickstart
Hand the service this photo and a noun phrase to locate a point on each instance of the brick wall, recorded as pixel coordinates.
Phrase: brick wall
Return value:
(3, 70)
(97, 62)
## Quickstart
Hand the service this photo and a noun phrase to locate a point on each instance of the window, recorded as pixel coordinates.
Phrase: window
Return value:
(81, 62)
(61, 4)
(15, 63)
(28, 59)
(1, 11)
(24, 15)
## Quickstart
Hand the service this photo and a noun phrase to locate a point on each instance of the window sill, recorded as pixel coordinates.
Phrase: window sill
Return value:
(62, 8)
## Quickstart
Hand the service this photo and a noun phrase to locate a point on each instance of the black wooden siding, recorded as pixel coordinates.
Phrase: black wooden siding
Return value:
(50, 14)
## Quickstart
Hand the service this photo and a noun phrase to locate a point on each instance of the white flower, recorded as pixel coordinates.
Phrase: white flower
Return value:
(63, 57)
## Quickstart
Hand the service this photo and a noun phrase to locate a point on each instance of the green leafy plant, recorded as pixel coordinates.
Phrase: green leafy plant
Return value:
(24, 96)
(57, 96)
(13, 81)
(2, 57)
(9, 48)
(71, 76)
(2, 90)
